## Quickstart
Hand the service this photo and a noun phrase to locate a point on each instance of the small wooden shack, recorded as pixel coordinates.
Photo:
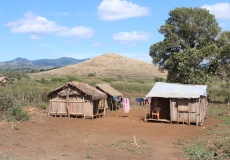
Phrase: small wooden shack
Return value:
(179, 103)
(76, 99)
(112, 95)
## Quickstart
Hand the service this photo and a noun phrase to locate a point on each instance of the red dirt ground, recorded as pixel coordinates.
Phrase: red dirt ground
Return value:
(117, 136)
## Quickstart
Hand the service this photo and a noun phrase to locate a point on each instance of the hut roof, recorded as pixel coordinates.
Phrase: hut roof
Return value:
(85, 88)
(3, 78)
(170, 90)
(108, 89)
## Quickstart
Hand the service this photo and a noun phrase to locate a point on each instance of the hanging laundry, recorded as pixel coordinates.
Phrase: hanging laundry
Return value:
(114, 98)
(138, 99)
(149, 101)
(125, 105)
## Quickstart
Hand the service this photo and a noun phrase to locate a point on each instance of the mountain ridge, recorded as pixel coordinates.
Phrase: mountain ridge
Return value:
(25, 64)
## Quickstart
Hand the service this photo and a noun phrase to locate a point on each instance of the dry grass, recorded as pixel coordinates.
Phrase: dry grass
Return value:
(108, 65)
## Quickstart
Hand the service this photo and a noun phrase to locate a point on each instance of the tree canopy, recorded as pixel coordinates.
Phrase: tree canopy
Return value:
(194, 48)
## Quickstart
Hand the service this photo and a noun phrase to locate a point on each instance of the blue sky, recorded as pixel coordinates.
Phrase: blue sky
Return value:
(50, 29)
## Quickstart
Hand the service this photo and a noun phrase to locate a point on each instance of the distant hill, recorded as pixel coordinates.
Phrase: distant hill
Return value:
(107, 65)
(25, 64)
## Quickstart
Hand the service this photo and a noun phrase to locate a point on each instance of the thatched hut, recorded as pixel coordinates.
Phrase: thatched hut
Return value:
(179, 103)
(76, 99)
(112, 95)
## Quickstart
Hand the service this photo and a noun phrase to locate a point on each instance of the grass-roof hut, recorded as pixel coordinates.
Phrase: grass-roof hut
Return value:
(179, 103)
(76, 99)
(112, 95)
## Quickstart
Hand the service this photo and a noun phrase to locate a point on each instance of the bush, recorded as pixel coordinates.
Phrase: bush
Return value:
(43, 81)
(91, 74)
(16, 75)
(108, 79)
(158, 79)
(6, 102)
(72, 78)
(198, 153)
(17, 114)
(63, 80)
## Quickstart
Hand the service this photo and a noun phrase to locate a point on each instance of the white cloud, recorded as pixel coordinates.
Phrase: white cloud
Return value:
(131, 37)
(220, 10)
(38, 26)
(110, 10)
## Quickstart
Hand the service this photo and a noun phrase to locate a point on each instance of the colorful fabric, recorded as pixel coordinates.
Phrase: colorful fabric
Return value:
(114, 98)
(138, 99)
(125, 105)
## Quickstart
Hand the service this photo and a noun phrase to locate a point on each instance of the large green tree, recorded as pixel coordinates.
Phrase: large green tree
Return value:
(193, 48)
(223, 42)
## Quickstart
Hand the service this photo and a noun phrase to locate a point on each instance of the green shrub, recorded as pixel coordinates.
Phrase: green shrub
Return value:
(72, 78)
(43, 81)
(226, 120)
(19, 75)
(6, 102)
(63, 80)
(158, 79)
(198, 153)
(91, 74)
(108, 79)
(17, 114)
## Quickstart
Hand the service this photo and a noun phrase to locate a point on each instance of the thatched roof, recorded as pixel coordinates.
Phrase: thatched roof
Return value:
(2, 79)
(85, 88)
(108, 89)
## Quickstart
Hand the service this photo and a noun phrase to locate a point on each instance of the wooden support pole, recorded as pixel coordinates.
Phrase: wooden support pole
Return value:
(200, 114)
(49, 108)
(189, 112)
(171, 109)
(104, 108)
(83, 102)
(177, 112)
(189, 115)
(196, 114)
(112, 103)
(67, 105)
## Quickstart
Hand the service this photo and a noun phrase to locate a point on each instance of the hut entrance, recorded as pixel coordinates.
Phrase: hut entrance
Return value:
(164, 113)
(164, 104)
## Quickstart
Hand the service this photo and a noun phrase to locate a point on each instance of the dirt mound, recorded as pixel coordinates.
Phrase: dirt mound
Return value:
(108, 65)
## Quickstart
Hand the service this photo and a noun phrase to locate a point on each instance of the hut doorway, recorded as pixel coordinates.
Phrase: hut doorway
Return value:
(164, 104)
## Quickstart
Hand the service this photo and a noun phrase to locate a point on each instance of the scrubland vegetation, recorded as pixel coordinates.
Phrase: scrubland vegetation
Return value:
(210, 143)
(28, 92)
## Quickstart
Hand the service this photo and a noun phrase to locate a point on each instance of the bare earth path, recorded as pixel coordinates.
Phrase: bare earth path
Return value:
(117, 136)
